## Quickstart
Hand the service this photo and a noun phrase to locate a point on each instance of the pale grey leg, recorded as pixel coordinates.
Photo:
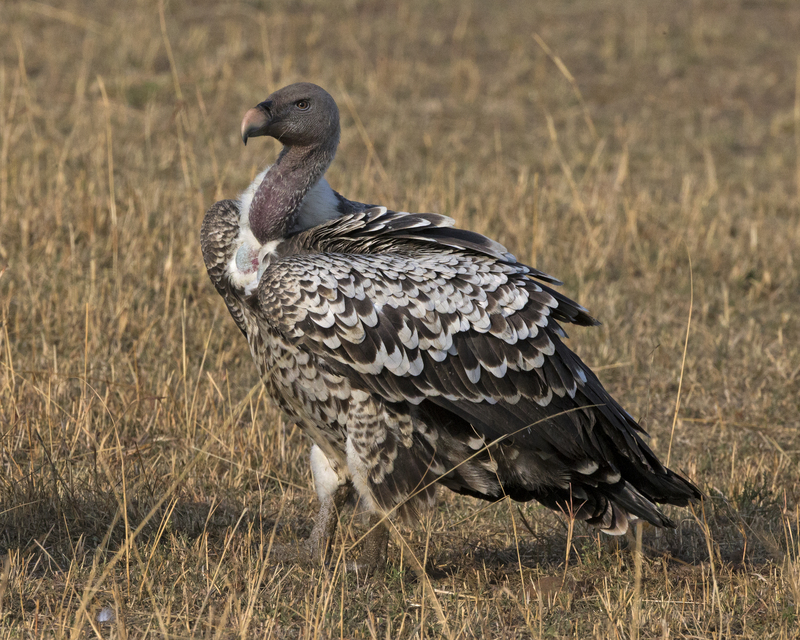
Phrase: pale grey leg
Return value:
(325, 523)
(333, 489)
(314, 549)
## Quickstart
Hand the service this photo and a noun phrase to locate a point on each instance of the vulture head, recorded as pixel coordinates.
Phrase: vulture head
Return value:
(300, 115)
(305, 119)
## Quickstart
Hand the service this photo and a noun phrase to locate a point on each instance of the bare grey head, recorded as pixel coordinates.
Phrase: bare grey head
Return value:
(305, 119)
(300, 115)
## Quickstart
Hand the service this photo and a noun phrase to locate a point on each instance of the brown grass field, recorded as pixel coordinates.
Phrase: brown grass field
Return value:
(646, 153)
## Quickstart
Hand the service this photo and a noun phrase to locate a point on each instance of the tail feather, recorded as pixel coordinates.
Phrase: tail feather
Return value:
(611, 507)
(614, 520)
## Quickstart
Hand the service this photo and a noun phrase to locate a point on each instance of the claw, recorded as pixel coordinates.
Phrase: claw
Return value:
(316, 548)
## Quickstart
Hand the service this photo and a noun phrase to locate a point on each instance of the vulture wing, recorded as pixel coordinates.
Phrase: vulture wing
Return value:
(443, 320)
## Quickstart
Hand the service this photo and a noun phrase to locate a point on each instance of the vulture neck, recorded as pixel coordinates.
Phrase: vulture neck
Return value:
(279, 196)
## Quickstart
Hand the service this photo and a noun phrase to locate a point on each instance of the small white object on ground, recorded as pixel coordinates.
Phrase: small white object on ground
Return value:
(106, 615)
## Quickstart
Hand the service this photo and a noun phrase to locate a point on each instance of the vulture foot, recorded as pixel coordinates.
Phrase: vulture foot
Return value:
(373, 555)
(315, 549)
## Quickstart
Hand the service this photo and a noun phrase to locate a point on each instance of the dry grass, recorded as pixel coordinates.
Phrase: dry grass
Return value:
(143, 473)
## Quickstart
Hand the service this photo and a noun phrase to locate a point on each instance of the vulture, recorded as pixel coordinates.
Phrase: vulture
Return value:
(414, 353)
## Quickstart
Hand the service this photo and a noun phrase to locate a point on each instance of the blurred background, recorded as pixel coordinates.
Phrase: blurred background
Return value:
(646, 153)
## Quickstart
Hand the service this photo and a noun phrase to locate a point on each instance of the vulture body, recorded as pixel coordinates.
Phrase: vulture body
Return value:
(413, 353)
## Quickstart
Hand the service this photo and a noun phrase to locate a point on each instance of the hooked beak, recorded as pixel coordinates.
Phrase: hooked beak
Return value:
(256, 121)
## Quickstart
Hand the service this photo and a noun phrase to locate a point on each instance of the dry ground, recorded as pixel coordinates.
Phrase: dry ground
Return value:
(143, 472)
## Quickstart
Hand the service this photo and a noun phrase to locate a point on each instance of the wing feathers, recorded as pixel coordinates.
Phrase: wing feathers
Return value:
(415, 312)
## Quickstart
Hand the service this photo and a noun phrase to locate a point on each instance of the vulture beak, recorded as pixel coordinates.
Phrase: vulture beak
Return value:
(256, 121)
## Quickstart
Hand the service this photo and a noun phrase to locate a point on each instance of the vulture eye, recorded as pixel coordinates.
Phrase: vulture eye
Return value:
(303, 105)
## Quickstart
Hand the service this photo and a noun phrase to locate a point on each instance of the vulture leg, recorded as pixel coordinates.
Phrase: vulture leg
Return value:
(333, 490)
(373, 554)
(315, 548)
(327, 518)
